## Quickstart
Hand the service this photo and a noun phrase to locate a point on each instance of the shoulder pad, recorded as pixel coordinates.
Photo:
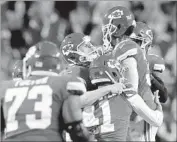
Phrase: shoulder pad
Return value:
(125, 49)
(156, 63)
(76, 87)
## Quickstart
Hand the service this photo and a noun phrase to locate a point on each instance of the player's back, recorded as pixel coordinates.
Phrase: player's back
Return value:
(32, 108)
(129, 48)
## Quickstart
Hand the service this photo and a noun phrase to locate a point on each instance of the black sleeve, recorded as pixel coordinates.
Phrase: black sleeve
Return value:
(158, 84)
(2, 121)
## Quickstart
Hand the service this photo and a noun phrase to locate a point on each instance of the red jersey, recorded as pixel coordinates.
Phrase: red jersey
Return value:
(129, 48)
(82, 72)
(106, 118)
(32, 107)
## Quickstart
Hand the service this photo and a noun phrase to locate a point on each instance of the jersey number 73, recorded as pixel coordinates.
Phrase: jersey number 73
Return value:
(17, 97)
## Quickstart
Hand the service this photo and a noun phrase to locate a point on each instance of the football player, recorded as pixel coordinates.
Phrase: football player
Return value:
(143, 35)
(94, 115)
(107, 71)
(117, 28)
(17, 70)
(79, 52)
(44, 104)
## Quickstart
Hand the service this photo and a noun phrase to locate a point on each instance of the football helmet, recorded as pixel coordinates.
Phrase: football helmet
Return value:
(77, 49)
(17, 70)
(105, 70)
(116, 23)
(44, 56)
(142, 35)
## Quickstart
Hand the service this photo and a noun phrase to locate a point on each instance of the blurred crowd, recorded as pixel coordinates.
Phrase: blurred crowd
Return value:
(25, 23)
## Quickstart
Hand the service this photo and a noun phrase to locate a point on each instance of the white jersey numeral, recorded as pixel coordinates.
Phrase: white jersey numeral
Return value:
(107, 126)
(90, 120)
(19, 95)
(44, 106)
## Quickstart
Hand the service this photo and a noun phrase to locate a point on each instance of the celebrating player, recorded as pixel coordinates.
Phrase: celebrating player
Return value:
(143, 36)
(79, 52)
(44, 104)
(118, 26)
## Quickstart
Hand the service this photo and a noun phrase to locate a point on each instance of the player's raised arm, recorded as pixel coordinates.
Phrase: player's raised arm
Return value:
(72, 112)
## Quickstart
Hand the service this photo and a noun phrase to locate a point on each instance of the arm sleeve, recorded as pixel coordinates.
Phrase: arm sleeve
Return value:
(131, 73)
(76, 86)
(72, 109)
(157, 84)
(91, 96)
(72, 115)
(153, 117)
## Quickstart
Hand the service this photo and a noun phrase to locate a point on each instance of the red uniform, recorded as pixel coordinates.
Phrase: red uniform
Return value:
(127, 49)
(32, 108)
(82, 72)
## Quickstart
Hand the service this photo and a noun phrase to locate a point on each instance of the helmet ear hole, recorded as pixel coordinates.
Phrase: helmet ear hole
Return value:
(114, 74)
(119, 26)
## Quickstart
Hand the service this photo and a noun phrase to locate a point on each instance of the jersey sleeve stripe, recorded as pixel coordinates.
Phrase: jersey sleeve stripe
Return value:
(159, 67)
(128, 53)
(76, 86)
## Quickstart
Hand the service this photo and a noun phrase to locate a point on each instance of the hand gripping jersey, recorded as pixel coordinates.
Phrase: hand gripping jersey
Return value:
(156, 63)
(106, 118)
(32, 107)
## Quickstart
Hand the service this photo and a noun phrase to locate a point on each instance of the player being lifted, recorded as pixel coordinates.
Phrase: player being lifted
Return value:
(44, 104)
(143, 36)
(96, 118)
(118, 26)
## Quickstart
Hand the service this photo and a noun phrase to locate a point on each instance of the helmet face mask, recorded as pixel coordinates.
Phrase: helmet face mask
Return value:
(143, 36)
(77, 49)
(108, 31)
(116, 23)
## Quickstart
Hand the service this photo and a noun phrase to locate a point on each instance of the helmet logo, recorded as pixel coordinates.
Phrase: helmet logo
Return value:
(86, 39)
(116, 14)
(66, 49)
(111, 63)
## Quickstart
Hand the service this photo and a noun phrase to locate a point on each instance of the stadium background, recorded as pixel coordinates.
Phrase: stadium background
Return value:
(25, 23)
